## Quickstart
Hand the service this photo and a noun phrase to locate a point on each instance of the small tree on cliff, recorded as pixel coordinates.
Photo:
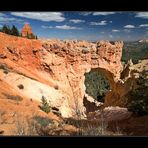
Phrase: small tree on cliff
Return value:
(45, 105)
(31, 36)
(6, 29)
(14, 31)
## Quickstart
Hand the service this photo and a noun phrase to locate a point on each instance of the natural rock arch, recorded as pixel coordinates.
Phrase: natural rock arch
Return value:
(64, 64)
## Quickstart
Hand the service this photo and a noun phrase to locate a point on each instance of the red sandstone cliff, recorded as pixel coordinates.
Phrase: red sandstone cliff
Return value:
(55, 69)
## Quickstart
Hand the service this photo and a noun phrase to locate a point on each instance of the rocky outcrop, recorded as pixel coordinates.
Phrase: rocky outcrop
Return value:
(61, 65)
(26, 30)
(129, 79)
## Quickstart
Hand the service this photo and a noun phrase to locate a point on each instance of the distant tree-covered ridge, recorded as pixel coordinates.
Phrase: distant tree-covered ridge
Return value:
(135, 51)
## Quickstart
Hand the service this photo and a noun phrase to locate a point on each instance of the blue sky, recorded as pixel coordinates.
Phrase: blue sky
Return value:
(89, 26)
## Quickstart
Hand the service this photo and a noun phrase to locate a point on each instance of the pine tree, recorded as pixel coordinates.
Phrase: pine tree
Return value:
(6, 29)
(14, 31)
(45, 106)
(138, 97)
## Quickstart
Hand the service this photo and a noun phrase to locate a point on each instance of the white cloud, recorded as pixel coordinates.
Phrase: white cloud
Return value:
(99, 23)
(110, 21)
(85, 13)
(142, 15)
(65, 27)
(115, 30)
(2, 14)
(129, 26)
(42, 16)
(47, 27)
(7, 19)
(96, 13)
(103, 13)
(77, 21)
(102, 32)
(127, 30)
(143, 25)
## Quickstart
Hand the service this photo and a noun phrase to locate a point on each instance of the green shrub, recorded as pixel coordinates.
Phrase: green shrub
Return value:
(45, 105)
(138, 98)
(31, 36)
(43, 121)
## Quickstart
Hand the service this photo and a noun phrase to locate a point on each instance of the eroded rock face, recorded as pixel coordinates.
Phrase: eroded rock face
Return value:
(62, 65)
(129, 77)
(26, 30)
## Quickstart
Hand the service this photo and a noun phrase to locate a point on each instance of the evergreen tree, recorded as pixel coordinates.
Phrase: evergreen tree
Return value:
(138, 97)
(31, 36)
(14, 31)
(6, 29)
(45, 106)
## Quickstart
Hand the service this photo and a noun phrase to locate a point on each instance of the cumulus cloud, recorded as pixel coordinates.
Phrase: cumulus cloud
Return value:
(65, 27)
(47, 27)
(42, 16)
(143, 15)
(103, 13)
(127, 30)
(77, 21)
(96, 13)
(85, 13)
(99, 23)
(8, 19)
(143, 25)
(115, 30)
(129, 26)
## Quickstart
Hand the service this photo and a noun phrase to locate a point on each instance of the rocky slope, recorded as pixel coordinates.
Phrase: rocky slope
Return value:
(128, 82)
(55, 69)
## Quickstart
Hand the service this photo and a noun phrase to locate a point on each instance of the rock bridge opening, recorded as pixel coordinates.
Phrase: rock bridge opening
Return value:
(96, 87)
